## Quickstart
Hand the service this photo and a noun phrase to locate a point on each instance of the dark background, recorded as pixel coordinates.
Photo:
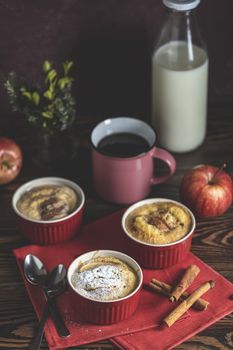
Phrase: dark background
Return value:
(110, 42)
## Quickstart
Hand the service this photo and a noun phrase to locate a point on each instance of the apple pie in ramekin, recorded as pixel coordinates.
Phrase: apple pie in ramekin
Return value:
(159, 231)
(49, 209)
(105, 286)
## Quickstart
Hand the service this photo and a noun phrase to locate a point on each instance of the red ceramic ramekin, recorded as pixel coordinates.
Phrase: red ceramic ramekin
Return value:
(45, 232)
(105, 312)
(158, 256)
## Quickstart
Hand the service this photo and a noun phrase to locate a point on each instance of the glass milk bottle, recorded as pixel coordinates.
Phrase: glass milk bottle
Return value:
(180, 80)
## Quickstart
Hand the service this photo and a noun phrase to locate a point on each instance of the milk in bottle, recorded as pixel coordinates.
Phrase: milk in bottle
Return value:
(179, 81)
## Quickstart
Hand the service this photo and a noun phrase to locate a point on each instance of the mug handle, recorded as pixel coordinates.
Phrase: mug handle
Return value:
(166, 157)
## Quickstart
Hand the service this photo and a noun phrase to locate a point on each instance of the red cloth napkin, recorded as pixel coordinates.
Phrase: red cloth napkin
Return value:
(106, 233)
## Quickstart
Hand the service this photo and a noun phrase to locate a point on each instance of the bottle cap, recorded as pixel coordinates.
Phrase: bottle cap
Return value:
(181, 5)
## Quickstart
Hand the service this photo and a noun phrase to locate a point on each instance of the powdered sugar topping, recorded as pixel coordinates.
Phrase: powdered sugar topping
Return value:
(104, 282)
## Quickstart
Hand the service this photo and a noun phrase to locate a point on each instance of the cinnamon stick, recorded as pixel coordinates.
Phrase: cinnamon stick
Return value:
(187, 303)
(187, 279)
(159, 289)
(165, 289)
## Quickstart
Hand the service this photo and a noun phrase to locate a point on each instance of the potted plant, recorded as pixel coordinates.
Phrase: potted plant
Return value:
(49, 110)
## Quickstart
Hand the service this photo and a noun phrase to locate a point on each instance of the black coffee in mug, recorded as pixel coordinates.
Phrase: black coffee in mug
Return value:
(123, 152)
(123, 145)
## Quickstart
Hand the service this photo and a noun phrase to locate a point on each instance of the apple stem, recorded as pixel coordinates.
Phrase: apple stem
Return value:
(219, 170)
(5, 164)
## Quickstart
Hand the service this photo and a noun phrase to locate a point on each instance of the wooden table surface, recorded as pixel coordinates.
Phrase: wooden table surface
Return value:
(213, 240)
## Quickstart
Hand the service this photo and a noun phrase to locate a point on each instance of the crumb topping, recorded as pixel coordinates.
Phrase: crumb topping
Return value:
(159, 223)
(48, 202)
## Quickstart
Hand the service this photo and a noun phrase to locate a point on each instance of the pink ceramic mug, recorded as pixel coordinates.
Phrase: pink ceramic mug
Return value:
(125, 178)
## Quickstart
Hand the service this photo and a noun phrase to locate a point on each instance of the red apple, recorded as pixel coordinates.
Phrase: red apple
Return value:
(207, 190)
(10, 160)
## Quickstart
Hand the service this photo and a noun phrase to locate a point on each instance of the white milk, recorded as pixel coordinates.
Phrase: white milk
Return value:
(179, 95)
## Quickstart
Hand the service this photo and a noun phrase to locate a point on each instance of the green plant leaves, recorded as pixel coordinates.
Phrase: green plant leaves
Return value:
(51, 76)
(27, 94)
(63, 82)
(67, 66)
(49, 94)
(47, 114)
(47, 65)
(51, 107)
(36, 98)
